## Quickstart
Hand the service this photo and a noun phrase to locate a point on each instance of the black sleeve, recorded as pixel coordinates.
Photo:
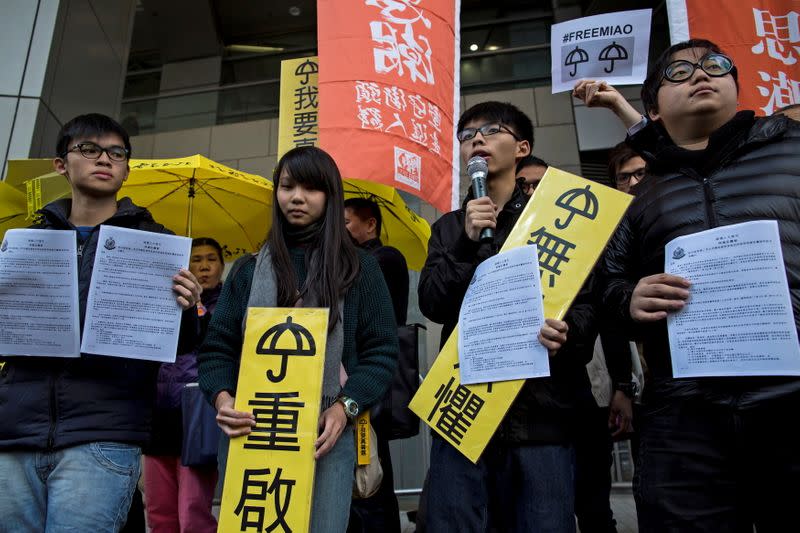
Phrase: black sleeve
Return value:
(452, 259)
(582, 321)
(189, 334)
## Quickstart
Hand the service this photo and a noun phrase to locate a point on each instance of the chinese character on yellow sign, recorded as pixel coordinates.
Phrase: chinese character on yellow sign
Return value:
(298, 118)
(570, 219)
(269, 479)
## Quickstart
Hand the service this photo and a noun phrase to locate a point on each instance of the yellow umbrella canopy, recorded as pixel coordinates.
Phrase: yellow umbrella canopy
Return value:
(197, 197)
(21, 170)
(193, 196)
(13, 209)
(401, 227)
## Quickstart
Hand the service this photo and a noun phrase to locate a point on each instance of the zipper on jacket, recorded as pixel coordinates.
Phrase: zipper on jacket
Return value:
(709, 196)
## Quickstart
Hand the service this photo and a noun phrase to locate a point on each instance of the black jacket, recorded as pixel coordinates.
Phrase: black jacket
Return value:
(395, 272)
(538, 414)
(48, 403)
(749, 171)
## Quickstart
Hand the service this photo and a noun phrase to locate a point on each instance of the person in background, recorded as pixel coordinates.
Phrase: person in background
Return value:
(530, 171)
(626, 168)
(362, 217)
(179, 498)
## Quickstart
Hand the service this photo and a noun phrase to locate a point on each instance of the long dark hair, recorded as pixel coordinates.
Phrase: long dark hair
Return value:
(335, 265)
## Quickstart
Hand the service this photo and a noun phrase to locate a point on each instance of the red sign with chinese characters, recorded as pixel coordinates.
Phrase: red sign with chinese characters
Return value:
(762, 36)
(389, 90)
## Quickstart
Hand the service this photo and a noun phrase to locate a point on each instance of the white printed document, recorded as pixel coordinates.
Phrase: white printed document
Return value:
(39, 293)
(131, 310)
(738, 320)
(500, 319)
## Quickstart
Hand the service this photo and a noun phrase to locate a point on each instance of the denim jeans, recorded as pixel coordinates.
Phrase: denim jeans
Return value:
(81, 488)
(524, 488)
(333, 486)
(712, 467)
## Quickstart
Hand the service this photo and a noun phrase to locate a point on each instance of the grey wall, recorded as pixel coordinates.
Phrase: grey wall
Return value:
(59, 59)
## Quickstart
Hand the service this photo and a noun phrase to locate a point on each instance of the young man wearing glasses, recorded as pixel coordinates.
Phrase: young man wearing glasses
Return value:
(524, 479)
(72, 430)
(530, 171)
(716, 454)
(625, 167)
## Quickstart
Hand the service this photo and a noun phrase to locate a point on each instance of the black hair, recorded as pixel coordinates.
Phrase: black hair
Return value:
(618, 156)
(787, 108)
(531, 160)
(208, 241)
(335, 266)
(503, 113)
(364, 208)
(91, 125)
(656, 75)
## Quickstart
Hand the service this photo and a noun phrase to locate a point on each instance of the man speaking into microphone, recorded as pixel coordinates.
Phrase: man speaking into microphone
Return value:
(523, 481)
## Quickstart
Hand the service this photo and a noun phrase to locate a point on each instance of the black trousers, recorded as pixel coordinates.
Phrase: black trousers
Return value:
(379, 513)
(717, 468)
(593, 472)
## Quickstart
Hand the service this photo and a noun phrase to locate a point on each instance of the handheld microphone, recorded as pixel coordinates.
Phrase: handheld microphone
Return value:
(477, 168)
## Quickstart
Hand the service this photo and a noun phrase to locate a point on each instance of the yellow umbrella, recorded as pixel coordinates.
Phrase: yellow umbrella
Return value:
(193, 196)
(21, 170)
(401, 227)
(13, 209)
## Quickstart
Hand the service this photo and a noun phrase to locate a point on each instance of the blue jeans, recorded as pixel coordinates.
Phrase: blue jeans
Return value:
(521, 488)
(333, 486)
(82, 488)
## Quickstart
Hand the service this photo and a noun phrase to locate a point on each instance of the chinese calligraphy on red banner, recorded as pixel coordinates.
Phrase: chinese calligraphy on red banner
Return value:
(388, 84)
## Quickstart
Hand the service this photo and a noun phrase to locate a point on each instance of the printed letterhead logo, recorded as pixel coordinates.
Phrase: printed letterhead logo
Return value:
(4, 246)
(110, 244)
(407, 168)
(678, 253)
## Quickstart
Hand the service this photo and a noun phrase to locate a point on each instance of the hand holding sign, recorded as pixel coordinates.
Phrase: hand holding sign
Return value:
(598, 93)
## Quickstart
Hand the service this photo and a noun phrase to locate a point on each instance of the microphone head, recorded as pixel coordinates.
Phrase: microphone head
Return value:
(477, 164)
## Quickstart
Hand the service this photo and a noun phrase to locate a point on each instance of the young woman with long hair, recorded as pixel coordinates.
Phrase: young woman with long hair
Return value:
(309, 260)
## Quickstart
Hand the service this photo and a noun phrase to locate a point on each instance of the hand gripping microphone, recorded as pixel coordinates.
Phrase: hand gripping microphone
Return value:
(477, 168)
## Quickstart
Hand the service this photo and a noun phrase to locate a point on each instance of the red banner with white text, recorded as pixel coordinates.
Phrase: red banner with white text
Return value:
(389, 90)
(762, 37)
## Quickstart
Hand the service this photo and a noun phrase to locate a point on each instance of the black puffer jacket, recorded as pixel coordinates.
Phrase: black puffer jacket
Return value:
(49, 403)
(750, 171)
(542, 411)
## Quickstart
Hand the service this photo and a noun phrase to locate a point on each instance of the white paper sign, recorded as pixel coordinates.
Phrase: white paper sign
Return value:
(611, 47)
(39, 293)
(738, 320)
(500, 319)
(131, 310)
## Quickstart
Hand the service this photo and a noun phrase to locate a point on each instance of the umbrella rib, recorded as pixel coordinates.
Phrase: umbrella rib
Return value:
(232, 218)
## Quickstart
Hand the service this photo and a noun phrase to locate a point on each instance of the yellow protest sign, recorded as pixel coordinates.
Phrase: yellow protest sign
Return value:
(363, 442)
(269, 479)
(570, 219)
(298, 115)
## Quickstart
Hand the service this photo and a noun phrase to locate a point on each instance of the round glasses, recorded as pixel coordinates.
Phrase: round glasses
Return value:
(91, 150)
(625, 177)
(715, 65)
(486, 130)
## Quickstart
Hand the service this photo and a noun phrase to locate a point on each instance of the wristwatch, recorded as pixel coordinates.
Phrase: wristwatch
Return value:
(350, 406)
(629, 389)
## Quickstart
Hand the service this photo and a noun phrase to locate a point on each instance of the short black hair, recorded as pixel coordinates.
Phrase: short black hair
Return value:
(618, 156)
(531, 160)
(208, 241)
(502, 112)
(364, 208)
(653, 81)
(90, 125)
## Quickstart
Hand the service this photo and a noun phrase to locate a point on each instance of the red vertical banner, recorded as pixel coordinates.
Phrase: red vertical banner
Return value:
(762, 36)
(389, 93)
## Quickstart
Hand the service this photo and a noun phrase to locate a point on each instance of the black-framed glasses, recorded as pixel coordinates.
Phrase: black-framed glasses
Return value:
(715, 65)
(625, 177)
(486, 130)
(91, 150)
